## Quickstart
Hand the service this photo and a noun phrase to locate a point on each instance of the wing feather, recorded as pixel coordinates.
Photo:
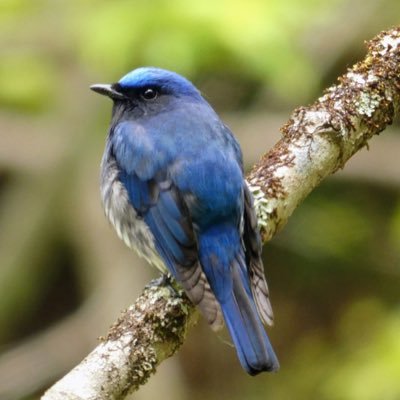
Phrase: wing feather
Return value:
(164, 210)
(252, 242)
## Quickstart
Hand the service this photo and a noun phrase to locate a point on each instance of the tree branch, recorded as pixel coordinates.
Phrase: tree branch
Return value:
(145, 334)
(317, 141)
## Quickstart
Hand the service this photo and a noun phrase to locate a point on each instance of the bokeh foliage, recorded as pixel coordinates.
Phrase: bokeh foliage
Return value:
(334, 271)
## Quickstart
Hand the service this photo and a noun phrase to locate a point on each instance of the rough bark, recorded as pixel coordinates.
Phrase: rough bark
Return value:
(317, 141)
(145, 334)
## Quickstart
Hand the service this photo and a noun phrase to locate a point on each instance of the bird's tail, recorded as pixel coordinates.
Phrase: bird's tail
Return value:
(244, 324)
(223, 262)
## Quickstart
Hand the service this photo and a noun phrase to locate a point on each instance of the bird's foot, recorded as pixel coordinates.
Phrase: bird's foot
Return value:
(165, 280)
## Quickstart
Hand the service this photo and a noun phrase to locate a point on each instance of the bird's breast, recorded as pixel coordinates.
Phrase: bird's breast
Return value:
(129, 226)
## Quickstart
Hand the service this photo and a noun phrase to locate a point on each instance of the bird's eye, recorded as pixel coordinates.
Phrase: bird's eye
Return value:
(149, 94)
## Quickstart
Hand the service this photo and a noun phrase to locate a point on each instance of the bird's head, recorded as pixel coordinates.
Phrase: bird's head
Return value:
(148, 87)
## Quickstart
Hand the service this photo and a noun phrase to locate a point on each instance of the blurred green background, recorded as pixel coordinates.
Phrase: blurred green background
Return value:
(334, 271)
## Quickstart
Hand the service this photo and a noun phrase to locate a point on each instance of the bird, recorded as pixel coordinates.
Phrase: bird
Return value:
(172, 184)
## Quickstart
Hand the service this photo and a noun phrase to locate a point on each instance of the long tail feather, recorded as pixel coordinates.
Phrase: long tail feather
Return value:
(246, 329)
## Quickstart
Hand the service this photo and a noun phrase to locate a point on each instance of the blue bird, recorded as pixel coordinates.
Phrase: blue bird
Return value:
(172, 185)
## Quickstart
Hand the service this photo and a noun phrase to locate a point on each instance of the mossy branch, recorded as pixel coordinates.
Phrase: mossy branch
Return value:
(317, 141)
(144, 335)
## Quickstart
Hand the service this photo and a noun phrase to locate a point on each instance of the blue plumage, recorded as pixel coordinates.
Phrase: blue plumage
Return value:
(172, 185)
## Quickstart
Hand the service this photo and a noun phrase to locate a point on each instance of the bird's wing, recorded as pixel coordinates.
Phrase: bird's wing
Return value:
(253, 246)
(162, 207)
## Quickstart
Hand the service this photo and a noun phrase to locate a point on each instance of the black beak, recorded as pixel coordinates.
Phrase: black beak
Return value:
(108, 90)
